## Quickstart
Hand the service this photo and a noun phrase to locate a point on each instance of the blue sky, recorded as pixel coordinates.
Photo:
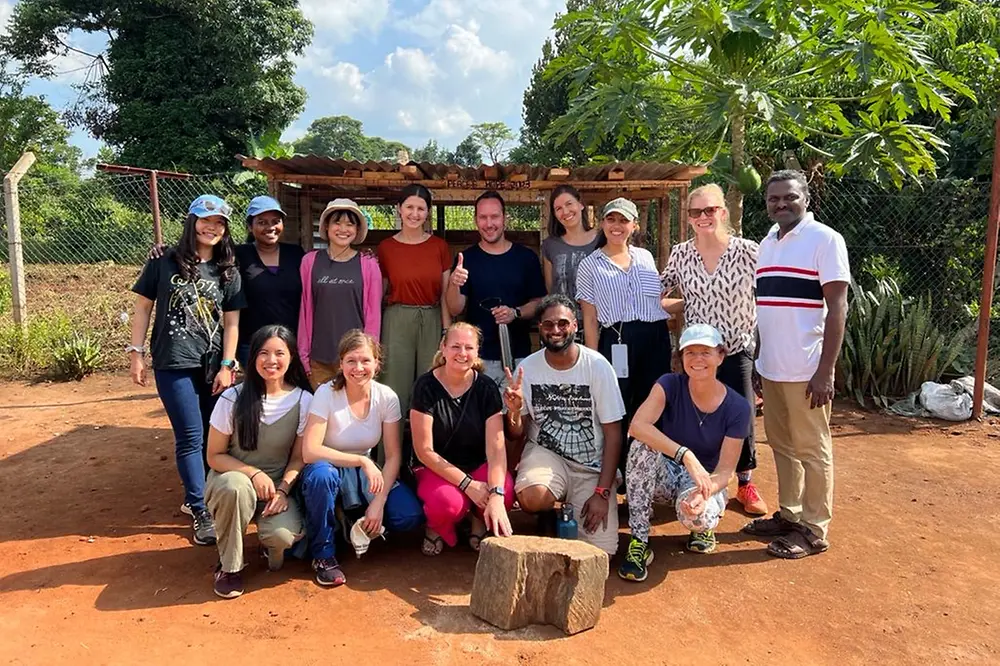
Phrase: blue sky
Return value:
(410, 70)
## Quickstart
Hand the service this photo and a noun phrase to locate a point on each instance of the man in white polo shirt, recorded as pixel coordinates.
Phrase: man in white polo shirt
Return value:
(802, 280)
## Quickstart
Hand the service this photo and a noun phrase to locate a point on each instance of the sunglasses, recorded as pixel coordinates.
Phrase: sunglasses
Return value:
(707, 211)
(549, 325)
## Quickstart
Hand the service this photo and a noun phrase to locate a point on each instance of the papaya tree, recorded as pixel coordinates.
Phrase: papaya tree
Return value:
(841, 78)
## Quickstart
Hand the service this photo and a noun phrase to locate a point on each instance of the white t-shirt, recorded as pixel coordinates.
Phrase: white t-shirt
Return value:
(274, 409)
(567, 407)
(347, 433)
(791, 310)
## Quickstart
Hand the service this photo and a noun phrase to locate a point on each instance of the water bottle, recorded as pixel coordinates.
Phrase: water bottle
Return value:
(566, 527)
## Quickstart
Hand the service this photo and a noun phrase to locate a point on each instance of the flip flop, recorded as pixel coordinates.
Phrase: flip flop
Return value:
(432, 547)
(476, 539)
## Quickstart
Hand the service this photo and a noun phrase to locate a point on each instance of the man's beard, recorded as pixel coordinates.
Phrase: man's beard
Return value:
(556, 347)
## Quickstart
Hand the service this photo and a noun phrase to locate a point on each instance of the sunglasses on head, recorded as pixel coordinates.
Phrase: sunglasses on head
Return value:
(550, 325)
(707, 211)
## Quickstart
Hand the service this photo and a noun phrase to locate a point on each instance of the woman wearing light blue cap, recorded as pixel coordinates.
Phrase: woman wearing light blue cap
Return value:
(196, 290)
(688, 436)
(270, 272)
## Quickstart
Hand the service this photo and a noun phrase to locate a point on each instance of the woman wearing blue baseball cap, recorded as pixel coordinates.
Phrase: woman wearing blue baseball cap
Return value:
(197, 292)
(270, 272)
(688, 437)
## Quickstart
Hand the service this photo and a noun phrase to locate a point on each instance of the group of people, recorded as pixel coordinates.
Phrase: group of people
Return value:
(386, 392)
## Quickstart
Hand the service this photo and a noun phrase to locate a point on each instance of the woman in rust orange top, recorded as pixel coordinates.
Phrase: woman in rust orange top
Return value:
(415, 266)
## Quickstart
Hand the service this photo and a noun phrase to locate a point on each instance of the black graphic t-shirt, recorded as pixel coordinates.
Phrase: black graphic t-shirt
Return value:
(459, 429)
(568, 407)
(188, 317)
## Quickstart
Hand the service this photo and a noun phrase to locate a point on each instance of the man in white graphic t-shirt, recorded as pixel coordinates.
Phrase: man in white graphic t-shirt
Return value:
(802, 280)
(565, 399)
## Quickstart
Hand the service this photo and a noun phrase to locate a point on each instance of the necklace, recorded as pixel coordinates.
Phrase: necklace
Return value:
(701, 417)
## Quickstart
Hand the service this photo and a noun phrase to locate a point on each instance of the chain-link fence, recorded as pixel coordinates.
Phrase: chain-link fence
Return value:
(85, 239)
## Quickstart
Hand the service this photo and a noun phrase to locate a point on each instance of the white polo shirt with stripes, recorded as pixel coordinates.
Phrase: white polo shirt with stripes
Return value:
(791, 311)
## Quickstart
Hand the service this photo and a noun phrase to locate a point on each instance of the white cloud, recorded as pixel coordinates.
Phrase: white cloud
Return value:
(472, 55)
(352, 83)
(413, 64)
(6, 9)
(339, 20)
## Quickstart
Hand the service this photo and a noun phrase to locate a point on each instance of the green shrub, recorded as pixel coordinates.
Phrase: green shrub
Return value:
(892, 345)
(32, 351)
(77, 357)
(6, 294)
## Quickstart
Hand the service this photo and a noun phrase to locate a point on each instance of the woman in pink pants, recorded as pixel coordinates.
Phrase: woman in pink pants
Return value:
(457, 423)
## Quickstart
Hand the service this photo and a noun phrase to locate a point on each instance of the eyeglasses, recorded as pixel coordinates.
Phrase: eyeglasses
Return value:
(707, 211)
(549, 325)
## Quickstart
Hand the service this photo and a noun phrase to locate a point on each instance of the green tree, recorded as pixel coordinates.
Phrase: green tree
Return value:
(743, 66)
(466, 153)
(492, 138)
(430, 152)
(27, 122)
(344, 137)
(185, 83)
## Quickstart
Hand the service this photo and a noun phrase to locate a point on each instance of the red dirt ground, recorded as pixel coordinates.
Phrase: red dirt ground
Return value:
(96, 566)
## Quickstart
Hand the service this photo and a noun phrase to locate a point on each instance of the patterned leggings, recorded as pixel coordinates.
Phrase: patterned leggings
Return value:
(652, 477)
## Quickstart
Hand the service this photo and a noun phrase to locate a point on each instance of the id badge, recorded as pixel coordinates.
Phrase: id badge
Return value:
(619, 360)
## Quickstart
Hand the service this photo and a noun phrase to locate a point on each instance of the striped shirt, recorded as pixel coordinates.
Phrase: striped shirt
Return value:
(620, 296)
(791, 310)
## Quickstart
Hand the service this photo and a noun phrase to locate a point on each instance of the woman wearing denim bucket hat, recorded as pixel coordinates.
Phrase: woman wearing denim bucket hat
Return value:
(341, 290)
(688, 436)
(197, 292)
(270, 272)
(618, 288)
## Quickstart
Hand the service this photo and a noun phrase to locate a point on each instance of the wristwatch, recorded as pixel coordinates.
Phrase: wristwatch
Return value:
(228, 363)
(603, 492)
(497, 490)
(517, 313)
(135, 348)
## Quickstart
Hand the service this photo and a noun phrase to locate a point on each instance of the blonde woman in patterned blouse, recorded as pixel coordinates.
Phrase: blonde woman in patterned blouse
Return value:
(714, 275)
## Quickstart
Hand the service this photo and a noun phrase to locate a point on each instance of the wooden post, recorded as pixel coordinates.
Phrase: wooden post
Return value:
(440, 220)
(305, 220)
(644, 223)
(543, 219)
(154, 204)
(662, 232)
(682, 223)
(14, 244)
(989, 276)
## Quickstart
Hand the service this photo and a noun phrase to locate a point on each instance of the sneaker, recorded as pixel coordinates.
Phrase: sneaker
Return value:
(702, 542)
(637, 558)
(186, 509)
(227, 585)
(204, 528)
(750, 498)
(328, 572)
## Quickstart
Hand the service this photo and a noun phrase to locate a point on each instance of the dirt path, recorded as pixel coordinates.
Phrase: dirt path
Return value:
(96, 565)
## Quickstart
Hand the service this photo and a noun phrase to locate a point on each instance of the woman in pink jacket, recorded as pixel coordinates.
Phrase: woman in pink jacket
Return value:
(341, 290)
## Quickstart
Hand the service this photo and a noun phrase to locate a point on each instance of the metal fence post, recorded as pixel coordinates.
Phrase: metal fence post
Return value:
(14, 245)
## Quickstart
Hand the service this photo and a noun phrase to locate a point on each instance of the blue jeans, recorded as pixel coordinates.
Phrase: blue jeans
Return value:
(189, 402)
(320, 487)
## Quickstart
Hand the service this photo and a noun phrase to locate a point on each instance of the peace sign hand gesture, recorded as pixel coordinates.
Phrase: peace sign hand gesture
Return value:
(513, 396)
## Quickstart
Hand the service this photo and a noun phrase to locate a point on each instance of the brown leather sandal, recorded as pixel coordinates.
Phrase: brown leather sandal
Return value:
(798, 544)
(770, 527)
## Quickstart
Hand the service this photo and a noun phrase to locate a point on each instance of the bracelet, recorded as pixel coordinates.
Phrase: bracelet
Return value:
(679, 456)
(465, 483)
(282, 491)
(255, 474)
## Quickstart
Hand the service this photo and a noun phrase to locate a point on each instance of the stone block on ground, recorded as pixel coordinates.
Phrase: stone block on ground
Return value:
(522, 580)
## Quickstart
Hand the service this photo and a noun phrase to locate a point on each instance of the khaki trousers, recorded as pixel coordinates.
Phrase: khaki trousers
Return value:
(233, 502)
(803, 454)
(321, 373)
(411, 336)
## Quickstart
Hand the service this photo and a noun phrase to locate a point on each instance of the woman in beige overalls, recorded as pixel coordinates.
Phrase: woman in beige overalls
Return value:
(255, 454)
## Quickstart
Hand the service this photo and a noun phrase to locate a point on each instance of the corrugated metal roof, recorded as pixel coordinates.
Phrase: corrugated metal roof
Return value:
(316, 165)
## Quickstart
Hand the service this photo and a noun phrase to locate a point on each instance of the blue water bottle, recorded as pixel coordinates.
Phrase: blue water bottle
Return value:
(566, 525)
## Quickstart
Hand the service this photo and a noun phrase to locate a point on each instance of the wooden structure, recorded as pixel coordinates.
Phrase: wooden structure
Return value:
(304, 185)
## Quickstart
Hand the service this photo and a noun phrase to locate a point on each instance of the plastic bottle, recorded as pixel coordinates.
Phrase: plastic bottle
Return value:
(566, 527)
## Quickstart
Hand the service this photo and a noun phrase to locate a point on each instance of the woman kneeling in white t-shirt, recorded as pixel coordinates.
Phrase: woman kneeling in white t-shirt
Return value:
(348, 417)
(255, 455)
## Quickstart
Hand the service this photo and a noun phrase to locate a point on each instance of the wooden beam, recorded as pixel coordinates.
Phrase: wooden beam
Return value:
(491, 173)
(617, 173)
(382, 175)
(352, 173)
(543, 219)
(682, 222)
(306, 220)
(558, 173)
(518, 177)
(643, 222)
(392, 179)
(410, 171)
(662, 232)
(440, 220)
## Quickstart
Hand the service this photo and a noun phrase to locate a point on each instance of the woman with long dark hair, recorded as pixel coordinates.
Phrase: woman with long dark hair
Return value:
(255, 452)
(571, 238)
(415, 266)
(196, 290)
(618, 288)
(348, 417)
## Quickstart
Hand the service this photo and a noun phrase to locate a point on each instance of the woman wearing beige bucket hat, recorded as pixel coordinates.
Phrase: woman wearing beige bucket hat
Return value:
(341, 290)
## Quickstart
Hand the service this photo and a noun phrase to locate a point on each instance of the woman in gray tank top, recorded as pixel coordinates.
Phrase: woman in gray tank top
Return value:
(255, 455)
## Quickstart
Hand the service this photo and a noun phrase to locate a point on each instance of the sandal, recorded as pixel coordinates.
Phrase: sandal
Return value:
(770, 527)
(432, 547)
(798, 544)
(476, 539)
